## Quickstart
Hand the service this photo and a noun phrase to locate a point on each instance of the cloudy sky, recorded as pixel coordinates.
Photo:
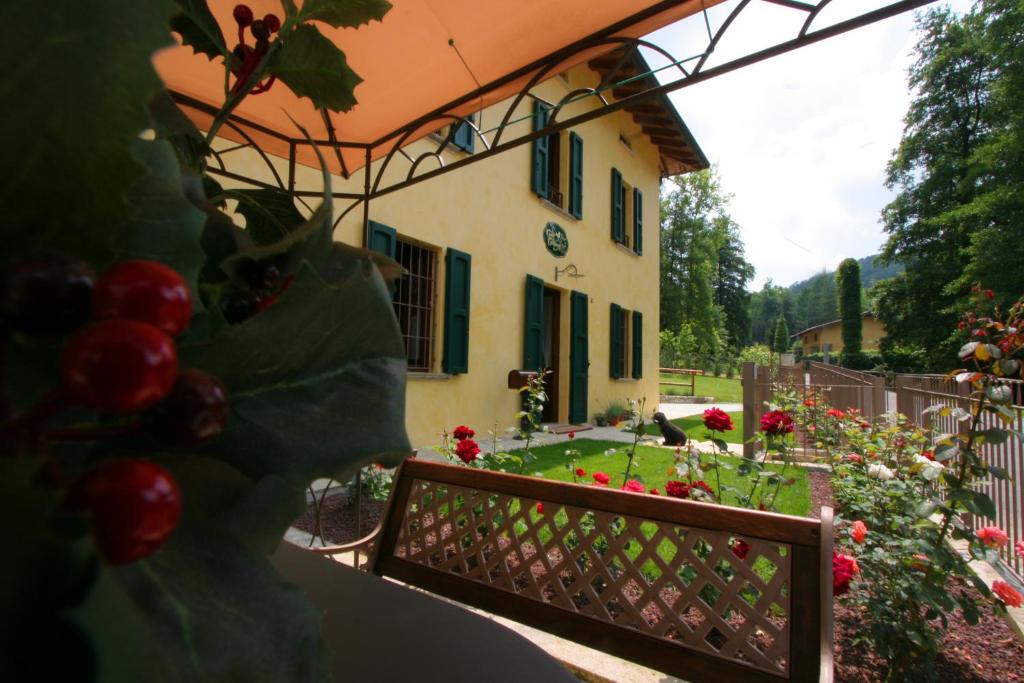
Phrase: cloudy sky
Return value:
(801, 141)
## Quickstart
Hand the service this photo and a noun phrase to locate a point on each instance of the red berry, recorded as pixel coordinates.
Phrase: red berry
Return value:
(135, 505)
(45, 292)
(242, 14)
(272, 23)
(194, 412)
(260, 31)
(119, 366)
(146, 291)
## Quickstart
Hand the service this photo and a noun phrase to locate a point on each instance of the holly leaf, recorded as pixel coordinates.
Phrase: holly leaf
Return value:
(197, 593)
(80, 75)
(317, 381)
(199, 29)
(166, 227)
(344, 13)
(313, 66)
(171, 124)
(270, 214)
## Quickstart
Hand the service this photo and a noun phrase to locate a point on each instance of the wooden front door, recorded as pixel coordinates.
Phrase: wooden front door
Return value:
(579, 358)
(552, 351)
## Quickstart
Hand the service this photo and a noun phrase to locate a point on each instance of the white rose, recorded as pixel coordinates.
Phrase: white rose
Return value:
(880, 471)
(930, 469)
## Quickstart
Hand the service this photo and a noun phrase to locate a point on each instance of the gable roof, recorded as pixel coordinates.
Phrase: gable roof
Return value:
(657, 117)
(866, 314)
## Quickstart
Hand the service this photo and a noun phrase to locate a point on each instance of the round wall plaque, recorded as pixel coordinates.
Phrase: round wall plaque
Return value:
(556, 240)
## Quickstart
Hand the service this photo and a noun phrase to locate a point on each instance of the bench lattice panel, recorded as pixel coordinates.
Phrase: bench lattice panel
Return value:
(681, 584)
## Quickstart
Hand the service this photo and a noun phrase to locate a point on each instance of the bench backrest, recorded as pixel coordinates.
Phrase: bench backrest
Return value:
(658, 581)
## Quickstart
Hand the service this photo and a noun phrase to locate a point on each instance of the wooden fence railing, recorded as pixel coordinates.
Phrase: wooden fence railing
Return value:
(840, 388)
(915, 393)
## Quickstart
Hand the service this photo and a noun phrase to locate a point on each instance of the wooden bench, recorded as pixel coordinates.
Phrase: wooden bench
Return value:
(683, 372)
(654, 580)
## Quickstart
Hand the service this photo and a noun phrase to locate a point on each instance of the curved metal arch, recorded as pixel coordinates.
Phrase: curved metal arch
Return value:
(553, 116)
(812, 16)
(263, 155)
(426, 155)
(401, 141)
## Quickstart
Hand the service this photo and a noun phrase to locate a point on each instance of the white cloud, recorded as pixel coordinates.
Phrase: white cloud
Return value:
(800, 140)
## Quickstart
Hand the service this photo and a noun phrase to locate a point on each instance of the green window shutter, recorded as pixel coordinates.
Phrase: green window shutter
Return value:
(381, 238)
(465, 136)
(618, 233)
(617, 343)
(638, 221)
(575, 175)
(539, 169)
(457, 265)
(533, 336)
(638, 345)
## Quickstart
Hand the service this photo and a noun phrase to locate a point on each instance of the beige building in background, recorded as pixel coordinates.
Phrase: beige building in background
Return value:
(829, 336)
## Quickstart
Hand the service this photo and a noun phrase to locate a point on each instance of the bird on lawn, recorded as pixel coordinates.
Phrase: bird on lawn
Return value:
(674, 436)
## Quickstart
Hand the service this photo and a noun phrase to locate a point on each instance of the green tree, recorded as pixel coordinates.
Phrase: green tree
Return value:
(850, 308)
(943, 179)
(694, 228)
(731, 277)
(765, 308)
(780, 341)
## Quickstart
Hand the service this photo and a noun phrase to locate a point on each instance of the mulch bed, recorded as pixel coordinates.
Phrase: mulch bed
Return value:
(989, 652)
(338, 518)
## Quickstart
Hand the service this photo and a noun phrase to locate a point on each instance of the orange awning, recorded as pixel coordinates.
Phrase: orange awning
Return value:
(423, 56)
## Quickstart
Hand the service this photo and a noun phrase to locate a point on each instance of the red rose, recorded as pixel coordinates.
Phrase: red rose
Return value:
(467, 450)
(463, 432)
(928, 454)
(655, 492)
(540, 508)
(717, 420)
(580, 472)
(776, 423)
(843, 569)
(601, 479)
(572, 435)
(701, 485)
(739, 548)
(1007, 594)
(633, 486)
(836, 413)
(677, 489)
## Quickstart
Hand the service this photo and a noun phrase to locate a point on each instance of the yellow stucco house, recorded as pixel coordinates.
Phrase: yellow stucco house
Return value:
(829, 336)
(543, 256)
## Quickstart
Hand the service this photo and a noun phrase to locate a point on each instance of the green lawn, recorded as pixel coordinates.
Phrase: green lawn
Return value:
(724, 390)
(693, 425)
(651, 468)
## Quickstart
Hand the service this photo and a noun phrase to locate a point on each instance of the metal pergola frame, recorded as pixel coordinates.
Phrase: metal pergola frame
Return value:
(689, 71)
(492, 139)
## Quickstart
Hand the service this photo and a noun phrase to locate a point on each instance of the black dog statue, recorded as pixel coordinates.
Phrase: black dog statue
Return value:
(674, 436)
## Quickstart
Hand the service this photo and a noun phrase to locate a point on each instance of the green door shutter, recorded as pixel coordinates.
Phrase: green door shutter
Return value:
(618, 233)
(539, 169)
(465, 136)
(638, 345)
(638, 221)
(456, 312)
(579, 358)
(382, 239)
(533, 337)
(616, 343)
(575, 175)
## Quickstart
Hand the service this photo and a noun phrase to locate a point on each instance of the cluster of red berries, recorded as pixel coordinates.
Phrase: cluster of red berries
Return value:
(262, 285)
(123, 361)
(247, 57)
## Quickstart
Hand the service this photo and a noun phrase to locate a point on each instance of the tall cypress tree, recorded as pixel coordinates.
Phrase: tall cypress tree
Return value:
(780, 342)
(850, 310)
